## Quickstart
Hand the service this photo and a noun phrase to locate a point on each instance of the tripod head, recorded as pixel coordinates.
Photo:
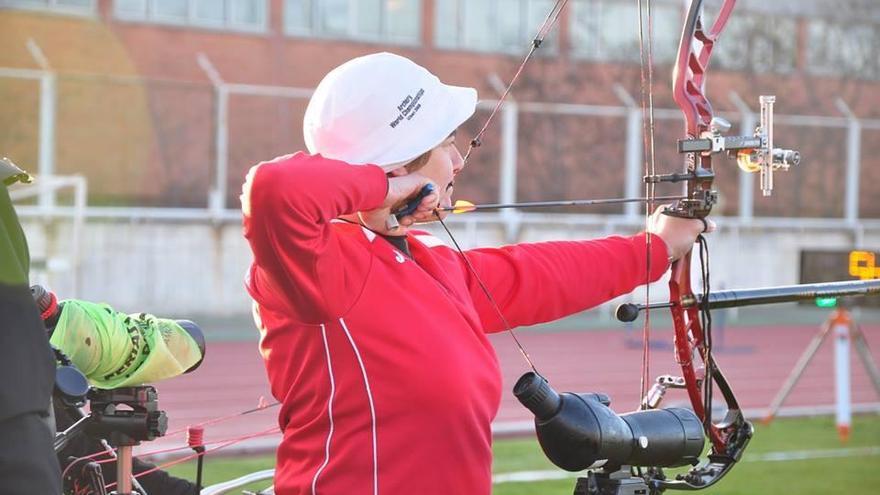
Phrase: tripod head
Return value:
(126, 416)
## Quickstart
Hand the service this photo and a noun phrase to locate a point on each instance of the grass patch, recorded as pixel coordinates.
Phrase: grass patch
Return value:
(855, 474)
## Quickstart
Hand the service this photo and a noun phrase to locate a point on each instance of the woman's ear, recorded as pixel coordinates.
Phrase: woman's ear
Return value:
(398, 172)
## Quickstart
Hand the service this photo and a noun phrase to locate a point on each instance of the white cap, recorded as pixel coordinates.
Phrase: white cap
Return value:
(383, 109)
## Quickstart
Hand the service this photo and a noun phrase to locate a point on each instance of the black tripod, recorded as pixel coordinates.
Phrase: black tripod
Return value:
(138, 419)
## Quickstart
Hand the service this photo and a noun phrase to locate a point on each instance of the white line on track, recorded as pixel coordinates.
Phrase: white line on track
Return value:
(799, 455)
(529, 476)
(792, 455)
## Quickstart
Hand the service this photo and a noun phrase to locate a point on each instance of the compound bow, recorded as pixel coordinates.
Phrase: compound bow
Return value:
(691, 313)
(692, 325)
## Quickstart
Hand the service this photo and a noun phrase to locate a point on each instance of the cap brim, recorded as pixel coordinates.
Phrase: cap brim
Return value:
(459, 104)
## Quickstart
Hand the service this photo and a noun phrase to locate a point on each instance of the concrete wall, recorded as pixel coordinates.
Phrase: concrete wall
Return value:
(182, 268)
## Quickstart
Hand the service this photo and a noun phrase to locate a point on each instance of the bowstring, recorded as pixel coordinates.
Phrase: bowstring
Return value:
(646, 71)
(543, 31)
(477, 141)
(488, 294)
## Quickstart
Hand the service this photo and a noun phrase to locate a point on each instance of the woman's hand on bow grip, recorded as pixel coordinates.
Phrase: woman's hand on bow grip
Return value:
(402, 189)
(678, 233)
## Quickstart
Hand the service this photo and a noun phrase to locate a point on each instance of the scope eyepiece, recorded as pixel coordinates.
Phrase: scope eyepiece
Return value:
(535, 393)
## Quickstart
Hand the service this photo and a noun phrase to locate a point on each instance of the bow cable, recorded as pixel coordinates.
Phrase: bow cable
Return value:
(543, 31)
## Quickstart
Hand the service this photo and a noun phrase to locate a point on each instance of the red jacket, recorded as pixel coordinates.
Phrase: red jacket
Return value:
(387, 379)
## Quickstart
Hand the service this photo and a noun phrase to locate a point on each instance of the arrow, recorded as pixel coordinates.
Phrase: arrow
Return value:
(462, 206)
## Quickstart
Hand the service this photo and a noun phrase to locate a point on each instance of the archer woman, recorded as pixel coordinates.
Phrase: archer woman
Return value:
(374, 335)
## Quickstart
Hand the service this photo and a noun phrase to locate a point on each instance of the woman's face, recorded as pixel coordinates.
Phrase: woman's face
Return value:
(444, 163)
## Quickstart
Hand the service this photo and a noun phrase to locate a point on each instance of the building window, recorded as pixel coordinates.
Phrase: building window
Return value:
(608, 30)
(506, 26)
(241, 15)
(76, 7)
(843, 49)
(758, 42)
(387, 21)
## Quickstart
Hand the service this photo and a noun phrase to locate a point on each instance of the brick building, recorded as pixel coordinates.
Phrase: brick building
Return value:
(136, 110)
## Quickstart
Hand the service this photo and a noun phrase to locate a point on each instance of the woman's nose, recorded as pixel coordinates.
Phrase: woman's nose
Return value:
(457, 160)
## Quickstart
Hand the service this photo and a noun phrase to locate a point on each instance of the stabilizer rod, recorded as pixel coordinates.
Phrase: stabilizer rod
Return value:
(768, 295)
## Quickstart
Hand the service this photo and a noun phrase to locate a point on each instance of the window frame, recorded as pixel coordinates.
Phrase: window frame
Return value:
(314, 30)
(831, 67)
(461, 43)
(149, 16)
(52, 7)
(781, 61)
(597, 53)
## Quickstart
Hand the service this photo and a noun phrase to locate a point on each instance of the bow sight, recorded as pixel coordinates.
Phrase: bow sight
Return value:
(753, 153)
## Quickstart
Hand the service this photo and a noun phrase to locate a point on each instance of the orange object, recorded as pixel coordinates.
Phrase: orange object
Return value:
(462, 206)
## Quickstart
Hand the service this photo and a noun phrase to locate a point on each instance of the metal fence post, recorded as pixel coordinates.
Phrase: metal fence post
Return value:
(508, 167)
(633, 176)
(217, 196)
(509, 136)
(746, 180)
(48, 104)
(853, 156)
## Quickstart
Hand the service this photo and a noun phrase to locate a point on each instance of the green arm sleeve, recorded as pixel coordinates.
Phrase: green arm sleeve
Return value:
(114, 349)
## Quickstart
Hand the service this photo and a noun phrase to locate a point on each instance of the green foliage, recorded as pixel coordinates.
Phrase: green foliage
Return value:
(852, 473)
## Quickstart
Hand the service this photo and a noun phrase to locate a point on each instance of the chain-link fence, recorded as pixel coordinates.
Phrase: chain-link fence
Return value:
(157, 143)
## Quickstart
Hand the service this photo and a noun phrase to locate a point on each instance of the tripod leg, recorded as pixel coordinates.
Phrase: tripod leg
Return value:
(843, 376)
(796, 373)
(123, 470)
(861, 346)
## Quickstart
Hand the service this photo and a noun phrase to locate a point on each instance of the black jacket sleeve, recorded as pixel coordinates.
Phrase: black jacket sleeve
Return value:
(27, 370)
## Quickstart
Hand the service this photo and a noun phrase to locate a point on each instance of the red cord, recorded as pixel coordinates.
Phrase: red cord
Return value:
(222, 444)
(53, 305)
(195, 436)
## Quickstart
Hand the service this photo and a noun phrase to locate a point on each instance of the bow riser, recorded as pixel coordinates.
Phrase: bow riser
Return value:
(688, 91)
(691, 341)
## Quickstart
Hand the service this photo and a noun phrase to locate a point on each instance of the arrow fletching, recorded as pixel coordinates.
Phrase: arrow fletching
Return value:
(462, 206)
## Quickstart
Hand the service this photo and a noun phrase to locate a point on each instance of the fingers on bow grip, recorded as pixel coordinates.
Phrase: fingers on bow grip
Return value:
(392, 222)
(413, 204)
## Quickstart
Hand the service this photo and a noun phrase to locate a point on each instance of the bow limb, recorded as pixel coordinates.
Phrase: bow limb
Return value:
(728, 438)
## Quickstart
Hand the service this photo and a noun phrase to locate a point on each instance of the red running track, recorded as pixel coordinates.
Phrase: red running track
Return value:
(756, 361)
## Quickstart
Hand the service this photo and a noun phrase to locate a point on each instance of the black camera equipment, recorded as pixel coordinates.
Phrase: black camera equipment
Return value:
(121, 417)
(125, 417)
(581, 431)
